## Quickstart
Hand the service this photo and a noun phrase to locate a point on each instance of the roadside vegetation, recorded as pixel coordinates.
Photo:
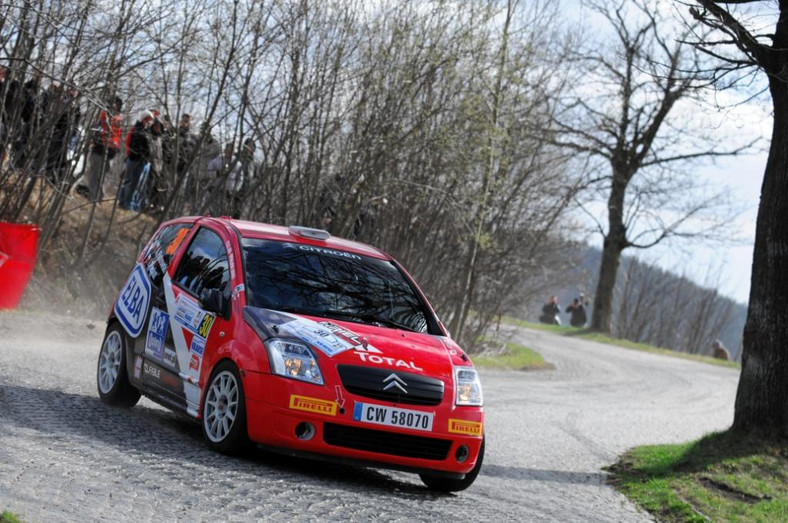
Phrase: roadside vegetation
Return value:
(722, 477)
(509, 355)
(588, 334)
(7, 517)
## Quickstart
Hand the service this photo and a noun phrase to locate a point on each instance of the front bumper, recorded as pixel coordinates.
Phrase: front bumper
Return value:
(278, 409)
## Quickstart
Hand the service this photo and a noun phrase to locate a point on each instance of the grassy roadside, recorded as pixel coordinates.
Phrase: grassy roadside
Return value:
(7, 517)
(511, 356)
(587, 334)
(721, 477)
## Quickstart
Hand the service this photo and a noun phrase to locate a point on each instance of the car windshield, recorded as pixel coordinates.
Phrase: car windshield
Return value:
(317, 281)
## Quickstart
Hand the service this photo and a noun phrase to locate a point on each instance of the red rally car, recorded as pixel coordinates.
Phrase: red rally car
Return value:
(296, 341)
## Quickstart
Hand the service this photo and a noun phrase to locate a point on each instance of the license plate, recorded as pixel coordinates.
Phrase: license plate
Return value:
(392, 416)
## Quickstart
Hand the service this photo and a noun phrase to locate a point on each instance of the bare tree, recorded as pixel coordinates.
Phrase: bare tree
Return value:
(740, 44)
(624, 114)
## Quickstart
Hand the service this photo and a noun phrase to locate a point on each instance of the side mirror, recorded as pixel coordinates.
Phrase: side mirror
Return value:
(212, 300)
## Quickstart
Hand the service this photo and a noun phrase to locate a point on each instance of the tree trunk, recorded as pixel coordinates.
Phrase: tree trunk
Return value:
(615, 243)
(762, 397)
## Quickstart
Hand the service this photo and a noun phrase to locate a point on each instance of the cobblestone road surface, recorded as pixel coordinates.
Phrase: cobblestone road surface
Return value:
(64, 456)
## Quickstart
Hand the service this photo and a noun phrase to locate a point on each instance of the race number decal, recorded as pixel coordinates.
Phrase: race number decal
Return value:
(131, 307)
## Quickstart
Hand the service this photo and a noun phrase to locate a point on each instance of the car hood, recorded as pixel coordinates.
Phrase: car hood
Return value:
(343, 342)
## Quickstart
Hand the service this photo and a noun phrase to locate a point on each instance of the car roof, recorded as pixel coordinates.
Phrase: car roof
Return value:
(266, 231)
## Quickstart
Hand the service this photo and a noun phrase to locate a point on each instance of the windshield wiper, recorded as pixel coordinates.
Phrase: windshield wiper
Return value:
(380, 321)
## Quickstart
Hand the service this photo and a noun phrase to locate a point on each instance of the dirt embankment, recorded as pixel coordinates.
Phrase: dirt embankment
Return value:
(75, 281)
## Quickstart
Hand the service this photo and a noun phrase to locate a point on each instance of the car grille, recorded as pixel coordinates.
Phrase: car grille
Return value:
(386, 442)
(369, 383)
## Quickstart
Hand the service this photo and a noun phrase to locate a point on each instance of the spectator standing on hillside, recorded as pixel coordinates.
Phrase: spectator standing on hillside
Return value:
(105, 144)
(228, 177)
(138, 156)
(551, 312)
(30, 99)
(8, 103)
(153, 188)
(577, 311)
(61, 109)
(202, 179)
(178, 160)
(719, 351)
(247, 177)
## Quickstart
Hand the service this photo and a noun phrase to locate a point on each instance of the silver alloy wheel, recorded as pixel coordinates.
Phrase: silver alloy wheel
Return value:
(109, 361)
(221, 406)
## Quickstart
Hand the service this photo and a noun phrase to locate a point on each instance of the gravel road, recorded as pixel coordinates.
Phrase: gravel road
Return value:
(64, 456)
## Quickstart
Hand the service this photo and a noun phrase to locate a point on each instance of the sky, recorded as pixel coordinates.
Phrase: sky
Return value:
(725, 265)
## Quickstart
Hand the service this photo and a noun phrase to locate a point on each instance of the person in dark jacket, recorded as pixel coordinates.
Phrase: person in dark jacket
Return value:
(138, 157)
(8, 103)
(61, 107)
(29, 98)
(719, 351)
(152, 191)
(577, 310)
(551, 312)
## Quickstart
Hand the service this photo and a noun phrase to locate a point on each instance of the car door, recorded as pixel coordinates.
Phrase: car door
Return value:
(203, 272)
(155, 361)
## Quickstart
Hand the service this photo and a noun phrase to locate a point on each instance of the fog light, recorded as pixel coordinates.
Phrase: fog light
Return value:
(462, 453)
(306, 431)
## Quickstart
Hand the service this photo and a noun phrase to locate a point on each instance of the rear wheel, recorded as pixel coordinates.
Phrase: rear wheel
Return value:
(224, 410)
(440, 484)
(112, 373)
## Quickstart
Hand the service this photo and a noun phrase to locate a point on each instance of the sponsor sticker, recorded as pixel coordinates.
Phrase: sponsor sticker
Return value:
(356, 342)
(197, 347)
(175, 243)
(317, 406)
(382, 360)
(230, 258)
(157, 332)
(322, 250)
(317, 335)
(194, 362)
(131, 307)
(329, 338)
(189, 314)
(468, 428)
(151, 370)
(171, 357)
(138, 367)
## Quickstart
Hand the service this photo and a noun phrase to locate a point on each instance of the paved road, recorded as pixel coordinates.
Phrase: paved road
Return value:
(64, 456)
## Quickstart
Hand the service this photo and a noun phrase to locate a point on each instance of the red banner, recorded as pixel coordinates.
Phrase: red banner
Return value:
(18, 253)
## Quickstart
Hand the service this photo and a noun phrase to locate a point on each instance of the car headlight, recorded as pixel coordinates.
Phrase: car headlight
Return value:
(292, 359)
(467, 386)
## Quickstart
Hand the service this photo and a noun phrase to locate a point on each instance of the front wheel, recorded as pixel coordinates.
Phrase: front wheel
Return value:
(112, 373)
(440, 484)
(224, 410)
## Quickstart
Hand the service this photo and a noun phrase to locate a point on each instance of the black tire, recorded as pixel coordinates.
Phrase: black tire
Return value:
(224, 410)
(112, 378)
(440, 484)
